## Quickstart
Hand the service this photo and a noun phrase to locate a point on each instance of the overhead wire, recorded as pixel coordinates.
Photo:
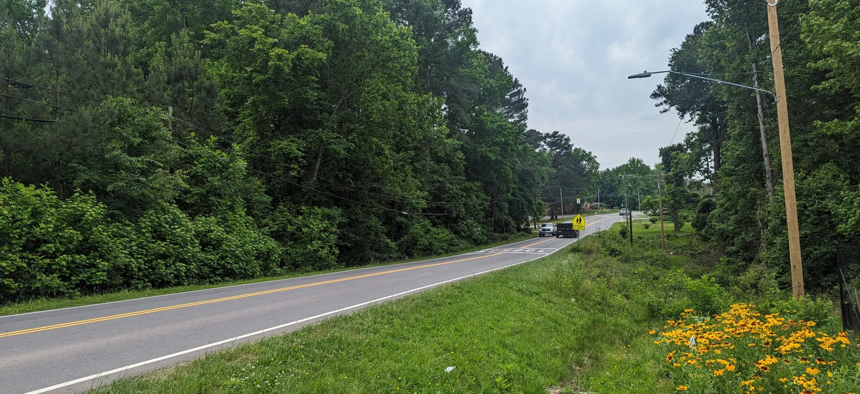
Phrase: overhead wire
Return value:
(27, 119)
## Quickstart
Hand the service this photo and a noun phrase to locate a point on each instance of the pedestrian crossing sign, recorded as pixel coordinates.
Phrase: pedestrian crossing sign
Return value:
(579, 223)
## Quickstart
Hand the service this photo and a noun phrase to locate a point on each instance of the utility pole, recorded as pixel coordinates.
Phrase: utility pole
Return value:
(599, 207)
(785, 148)
(630, 220)
(561, 194)
(660, 193)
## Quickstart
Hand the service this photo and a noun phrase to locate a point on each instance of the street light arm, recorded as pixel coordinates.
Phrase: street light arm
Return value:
(727, 83)
(647, 74)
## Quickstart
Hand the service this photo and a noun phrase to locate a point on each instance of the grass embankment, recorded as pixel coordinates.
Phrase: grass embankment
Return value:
(56, 303)
(570, 317)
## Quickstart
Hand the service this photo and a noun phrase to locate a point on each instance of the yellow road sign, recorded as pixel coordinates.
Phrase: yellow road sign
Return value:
(579, 223)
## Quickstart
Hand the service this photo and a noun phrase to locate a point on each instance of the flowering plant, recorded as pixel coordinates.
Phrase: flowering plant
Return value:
(743, 351)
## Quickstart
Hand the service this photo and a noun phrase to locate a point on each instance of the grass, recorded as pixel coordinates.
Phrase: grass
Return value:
(44, 304)
(579, 319)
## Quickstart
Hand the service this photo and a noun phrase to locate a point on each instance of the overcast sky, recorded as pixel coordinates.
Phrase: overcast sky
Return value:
(574, 57)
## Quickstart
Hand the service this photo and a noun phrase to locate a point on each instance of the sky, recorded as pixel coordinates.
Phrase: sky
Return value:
(574, 56)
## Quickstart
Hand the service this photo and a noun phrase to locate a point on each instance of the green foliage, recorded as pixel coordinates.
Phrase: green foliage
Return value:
(737, 135)
(46, 246)
(57, 248)
(220, 140)
(646, 225)
(653, 220)
(309, 236)
(425, 240)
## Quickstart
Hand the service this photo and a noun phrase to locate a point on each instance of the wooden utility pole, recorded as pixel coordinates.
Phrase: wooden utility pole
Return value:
(561, 195)
(660, 193)
(785, 148)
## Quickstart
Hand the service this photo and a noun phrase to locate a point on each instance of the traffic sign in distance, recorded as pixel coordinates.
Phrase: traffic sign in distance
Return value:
(579, 223)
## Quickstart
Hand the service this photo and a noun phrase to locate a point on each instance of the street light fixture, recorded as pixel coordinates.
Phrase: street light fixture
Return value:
(784, 143)
(647, 74)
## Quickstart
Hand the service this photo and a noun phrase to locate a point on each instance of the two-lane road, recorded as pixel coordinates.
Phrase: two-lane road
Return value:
(73, 349)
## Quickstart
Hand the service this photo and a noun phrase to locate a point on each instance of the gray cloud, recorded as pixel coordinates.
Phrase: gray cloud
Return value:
(574, 57)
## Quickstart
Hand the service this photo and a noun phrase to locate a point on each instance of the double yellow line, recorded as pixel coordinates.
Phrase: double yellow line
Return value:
(223, 299)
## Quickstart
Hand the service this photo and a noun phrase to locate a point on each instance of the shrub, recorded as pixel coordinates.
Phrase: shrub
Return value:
(53, 248)
(423, 239)
(623, 232)
(653, 220)
(647, 226)
(308, 236)
(45, 244)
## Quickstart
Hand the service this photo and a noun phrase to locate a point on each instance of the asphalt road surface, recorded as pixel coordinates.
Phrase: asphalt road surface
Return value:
(74, 349)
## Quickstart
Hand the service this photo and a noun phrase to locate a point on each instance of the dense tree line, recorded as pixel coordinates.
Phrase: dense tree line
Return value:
(736, 146)
(155, 143)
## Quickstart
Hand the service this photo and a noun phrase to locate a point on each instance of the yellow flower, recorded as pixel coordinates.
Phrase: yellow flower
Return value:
(652, 332)
(719, 372)
(681, 388)
(812, 371)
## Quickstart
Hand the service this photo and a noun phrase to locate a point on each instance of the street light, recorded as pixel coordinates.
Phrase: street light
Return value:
(784, 143)
(647, 74)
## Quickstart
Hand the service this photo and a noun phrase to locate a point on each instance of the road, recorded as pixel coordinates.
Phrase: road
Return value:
(74, 349)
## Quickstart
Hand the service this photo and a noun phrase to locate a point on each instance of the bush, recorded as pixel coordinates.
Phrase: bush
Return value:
(309, 237)
(647, 226)
(653, 220)
(45, 244)
(53, 248)
(706, 296)
(423, 239)
(623, 232)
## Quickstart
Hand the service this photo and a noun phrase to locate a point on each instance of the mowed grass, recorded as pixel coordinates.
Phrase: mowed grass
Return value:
(43, 304)
(568, 319)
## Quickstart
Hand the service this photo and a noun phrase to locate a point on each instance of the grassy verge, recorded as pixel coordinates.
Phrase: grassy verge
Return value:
(573, 318)
(582, 320)
(56, 303)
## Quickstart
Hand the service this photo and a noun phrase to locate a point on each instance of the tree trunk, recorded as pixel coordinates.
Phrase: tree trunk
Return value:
(494, 213)
(319, 160)
(675, 219)
(7, 161)
(768, 167)
(716, 147)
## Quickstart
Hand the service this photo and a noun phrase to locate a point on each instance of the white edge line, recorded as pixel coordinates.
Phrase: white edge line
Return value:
(243, 284)
(240, 337)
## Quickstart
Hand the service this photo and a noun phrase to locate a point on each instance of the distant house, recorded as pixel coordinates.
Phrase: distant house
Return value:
(586, 205)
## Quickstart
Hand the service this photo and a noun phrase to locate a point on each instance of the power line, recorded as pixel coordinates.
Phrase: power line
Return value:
(676, 131)
(34, 101)
(27, 119)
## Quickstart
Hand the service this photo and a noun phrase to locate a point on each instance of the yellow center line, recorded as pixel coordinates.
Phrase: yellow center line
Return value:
(216, 300)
